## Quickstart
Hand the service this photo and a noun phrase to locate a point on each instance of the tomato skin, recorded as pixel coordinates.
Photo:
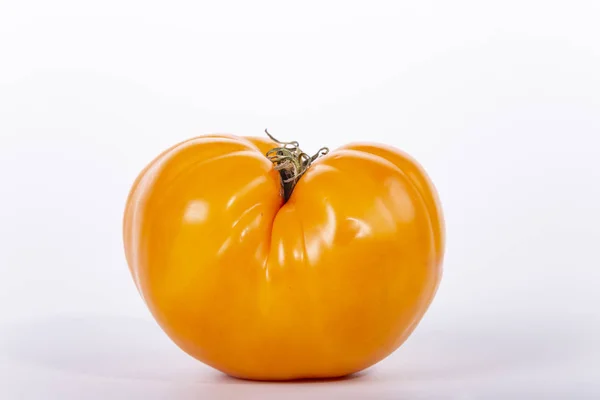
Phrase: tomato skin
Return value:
(323, 285)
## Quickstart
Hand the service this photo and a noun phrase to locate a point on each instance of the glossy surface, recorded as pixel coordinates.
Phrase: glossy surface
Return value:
(324, 285)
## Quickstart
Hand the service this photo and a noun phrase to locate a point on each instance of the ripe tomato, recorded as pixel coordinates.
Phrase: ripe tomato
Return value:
(324, 284)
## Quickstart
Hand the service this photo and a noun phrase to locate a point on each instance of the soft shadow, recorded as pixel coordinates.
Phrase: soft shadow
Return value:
(141, 357)
(474, 353)
(346, 379)
(137, 349)
(114, 347)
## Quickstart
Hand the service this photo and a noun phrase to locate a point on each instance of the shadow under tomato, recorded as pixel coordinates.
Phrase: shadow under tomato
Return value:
(347, 378)
(137, 349)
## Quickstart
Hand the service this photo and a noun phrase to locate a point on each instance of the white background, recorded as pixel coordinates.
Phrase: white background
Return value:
(500, 101)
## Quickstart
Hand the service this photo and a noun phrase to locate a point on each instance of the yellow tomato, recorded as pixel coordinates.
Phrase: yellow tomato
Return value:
(259, 286)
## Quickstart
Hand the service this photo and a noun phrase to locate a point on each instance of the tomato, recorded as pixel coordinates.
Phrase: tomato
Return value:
(263, 279)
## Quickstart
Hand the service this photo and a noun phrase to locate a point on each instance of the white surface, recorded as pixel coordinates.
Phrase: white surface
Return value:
(500, 101)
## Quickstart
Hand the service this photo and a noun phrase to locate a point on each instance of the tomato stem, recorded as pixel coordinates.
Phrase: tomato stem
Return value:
(291, 163)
